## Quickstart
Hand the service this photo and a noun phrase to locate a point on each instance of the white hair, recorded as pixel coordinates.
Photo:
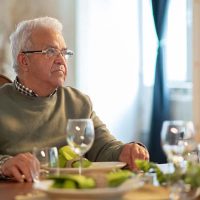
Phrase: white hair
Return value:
(20, 39)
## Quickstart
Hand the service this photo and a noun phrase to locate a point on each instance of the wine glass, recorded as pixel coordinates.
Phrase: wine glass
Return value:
(80, 136)
(48, 158)
(178, 141)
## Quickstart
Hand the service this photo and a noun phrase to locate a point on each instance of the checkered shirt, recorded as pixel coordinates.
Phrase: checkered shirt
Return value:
(24, 90)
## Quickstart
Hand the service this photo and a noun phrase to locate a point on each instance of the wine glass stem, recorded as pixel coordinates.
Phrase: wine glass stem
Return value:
(80, 165)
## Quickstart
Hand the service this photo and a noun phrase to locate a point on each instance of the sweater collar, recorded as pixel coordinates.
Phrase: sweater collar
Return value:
(27, 91)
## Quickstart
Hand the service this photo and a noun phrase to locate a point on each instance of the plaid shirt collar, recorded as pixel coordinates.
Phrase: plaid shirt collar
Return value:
(26, 91)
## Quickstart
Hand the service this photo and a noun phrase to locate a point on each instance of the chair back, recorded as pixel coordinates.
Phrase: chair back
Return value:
(4, 79)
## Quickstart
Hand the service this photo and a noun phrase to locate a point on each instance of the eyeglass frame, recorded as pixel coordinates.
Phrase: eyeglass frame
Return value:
(68, 53)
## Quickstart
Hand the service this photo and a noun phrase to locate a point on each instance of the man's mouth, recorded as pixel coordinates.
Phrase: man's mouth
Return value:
(60, 68)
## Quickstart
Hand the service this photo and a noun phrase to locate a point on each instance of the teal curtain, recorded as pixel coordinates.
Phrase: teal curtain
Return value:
(160, 107)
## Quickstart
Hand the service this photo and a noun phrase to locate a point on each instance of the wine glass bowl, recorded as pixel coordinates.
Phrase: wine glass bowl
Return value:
(48, 158)
(178, 140)
(80, 136)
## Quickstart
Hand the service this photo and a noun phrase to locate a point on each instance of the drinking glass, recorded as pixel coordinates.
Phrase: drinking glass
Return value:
(80, 136)
(178, 141)
(48, 158)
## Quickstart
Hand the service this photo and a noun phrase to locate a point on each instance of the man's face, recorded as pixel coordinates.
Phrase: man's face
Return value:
(50, 72)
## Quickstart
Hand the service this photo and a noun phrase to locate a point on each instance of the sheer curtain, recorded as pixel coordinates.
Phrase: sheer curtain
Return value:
(110, 63)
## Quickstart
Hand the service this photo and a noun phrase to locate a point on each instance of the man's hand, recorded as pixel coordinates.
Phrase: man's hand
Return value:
(132, 152)
(21, 167)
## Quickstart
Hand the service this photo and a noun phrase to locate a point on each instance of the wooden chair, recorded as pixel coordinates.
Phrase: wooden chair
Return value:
(4, 79)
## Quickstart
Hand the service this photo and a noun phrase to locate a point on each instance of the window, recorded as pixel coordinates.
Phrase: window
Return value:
(116, 55)
(178, 41)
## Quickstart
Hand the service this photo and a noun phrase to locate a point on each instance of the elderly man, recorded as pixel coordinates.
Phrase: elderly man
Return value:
(35, 108)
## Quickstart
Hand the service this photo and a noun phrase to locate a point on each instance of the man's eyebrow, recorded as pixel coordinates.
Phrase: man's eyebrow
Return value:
(55, 47)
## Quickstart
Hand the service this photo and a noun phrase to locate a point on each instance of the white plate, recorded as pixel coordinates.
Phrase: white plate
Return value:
(89, 194)
(95, 166)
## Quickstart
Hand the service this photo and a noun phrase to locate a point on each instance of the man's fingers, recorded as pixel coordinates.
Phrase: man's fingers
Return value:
(17, 175)
(21, 167)
(132, 152)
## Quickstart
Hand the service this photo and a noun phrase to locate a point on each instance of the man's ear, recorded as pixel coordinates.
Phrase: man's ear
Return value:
(23, 61)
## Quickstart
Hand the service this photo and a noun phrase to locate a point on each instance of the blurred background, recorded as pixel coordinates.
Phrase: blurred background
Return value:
(134, 58)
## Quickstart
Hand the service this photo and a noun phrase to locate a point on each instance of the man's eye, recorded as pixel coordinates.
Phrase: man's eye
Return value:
(51, 51)
(64, 51)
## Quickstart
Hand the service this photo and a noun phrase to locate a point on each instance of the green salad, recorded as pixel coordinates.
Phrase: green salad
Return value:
(75, 181)
(68, 158)
(190, 176)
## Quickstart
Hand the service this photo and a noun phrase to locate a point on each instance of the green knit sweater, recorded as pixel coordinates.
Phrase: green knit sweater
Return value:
(27, 121)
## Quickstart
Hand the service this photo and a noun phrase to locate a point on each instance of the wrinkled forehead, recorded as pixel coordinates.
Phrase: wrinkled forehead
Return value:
(43, 37)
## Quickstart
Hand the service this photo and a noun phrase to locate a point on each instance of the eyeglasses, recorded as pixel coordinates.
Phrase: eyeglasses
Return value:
(50, 52)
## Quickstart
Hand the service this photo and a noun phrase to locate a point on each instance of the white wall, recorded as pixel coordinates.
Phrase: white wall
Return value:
(108, 62)
(67, 15)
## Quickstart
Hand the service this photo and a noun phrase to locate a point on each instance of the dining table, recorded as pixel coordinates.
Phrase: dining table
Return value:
(149, 190)
(11, 190)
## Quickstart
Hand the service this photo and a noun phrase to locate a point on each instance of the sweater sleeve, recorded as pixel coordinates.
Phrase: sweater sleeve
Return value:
(3, 159)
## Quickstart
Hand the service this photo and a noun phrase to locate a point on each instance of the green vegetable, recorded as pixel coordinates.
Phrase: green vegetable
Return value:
(147, 166)
(85, 163)
(117, 178)
(69, 184)
(191, 175)
(113, 179)
(73, 181)
(66, 154)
